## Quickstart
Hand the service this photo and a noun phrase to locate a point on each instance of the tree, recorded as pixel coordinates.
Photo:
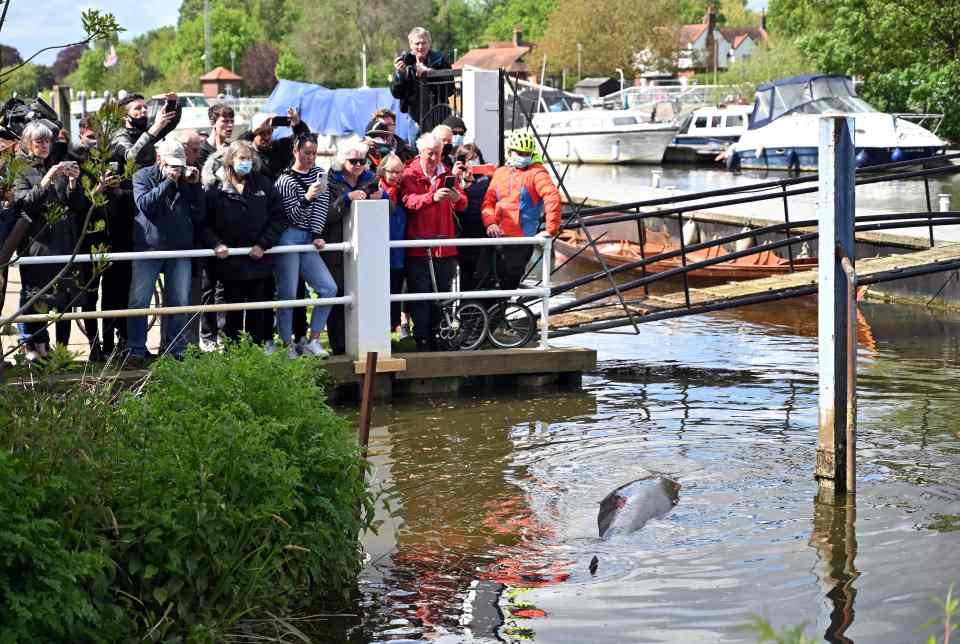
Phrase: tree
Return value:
(734, 13)
(531, 16)
(26, 82)
(67, 60)
(772, 60)
(232, 30)
(456, 24)
(907, 55)
(91, 74)
(9, 56)
(340, 27)
(258, 68)
(277, 17)
(613, 34)
(290, 67)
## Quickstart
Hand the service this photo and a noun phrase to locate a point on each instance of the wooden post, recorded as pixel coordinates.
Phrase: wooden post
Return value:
(366, 403)
(60, 102)
(837, 371)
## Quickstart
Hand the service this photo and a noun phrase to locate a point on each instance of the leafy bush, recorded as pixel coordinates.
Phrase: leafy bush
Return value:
(224, 488)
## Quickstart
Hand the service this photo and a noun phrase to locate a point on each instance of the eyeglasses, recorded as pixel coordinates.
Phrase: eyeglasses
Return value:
(357, 161)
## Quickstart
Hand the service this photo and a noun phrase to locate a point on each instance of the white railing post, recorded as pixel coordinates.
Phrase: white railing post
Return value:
(367, 279)
(546, 265)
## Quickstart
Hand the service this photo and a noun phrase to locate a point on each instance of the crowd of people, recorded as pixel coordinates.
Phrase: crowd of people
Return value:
(221, 192)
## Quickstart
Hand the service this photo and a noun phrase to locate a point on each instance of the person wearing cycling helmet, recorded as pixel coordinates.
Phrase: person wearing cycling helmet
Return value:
(520, 193)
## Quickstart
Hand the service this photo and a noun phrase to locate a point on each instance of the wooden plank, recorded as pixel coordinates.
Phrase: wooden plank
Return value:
(384, 365)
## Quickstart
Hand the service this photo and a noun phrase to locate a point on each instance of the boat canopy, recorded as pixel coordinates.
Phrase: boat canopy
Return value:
(339, 112)
(815, 94)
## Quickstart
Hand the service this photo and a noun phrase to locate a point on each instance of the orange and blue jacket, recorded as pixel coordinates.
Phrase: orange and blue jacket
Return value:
(517, 198)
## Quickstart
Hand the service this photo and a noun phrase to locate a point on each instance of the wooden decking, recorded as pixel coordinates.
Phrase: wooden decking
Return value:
(738, 290)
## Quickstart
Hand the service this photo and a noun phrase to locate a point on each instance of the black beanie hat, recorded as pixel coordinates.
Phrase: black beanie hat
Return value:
(455, 122)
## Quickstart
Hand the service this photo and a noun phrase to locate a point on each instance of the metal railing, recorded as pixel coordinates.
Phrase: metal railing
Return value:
(543, 290)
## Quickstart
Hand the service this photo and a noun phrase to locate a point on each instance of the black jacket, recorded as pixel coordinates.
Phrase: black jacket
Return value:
(471, 218)
(426, 108)
(45, 237)
(254, 218)
(339, 187)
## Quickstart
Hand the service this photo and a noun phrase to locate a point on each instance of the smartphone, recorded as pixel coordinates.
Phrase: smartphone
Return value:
(372, 188)
(170, 105)
(115, 167)
(461, 158)
(280, 121)
(449, 182)
(410, 59)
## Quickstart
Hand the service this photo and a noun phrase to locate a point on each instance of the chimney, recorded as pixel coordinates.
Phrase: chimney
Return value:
(518, 36)
(763, 20)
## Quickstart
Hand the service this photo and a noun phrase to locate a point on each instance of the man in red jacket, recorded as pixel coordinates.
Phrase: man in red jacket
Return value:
(430, 192)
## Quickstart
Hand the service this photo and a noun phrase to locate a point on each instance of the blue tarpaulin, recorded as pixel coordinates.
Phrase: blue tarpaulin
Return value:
(339, 112)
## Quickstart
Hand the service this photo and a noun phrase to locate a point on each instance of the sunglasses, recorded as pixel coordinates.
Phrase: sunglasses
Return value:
(357, 161)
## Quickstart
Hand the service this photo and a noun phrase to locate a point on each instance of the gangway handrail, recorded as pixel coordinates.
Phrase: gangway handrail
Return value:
(945, 219)
(772, 228)
(191, 253)
(695, 196)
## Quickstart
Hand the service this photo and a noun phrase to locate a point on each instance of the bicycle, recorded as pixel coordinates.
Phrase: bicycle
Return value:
(463, 326)
(511, 324)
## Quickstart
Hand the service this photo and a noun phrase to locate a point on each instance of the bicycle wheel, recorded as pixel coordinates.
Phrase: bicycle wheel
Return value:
(473, 325)
(512, 325)
(463, 327)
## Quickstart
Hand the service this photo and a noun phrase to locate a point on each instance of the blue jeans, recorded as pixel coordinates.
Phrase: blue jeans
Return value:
(176, 292)
(288, 269)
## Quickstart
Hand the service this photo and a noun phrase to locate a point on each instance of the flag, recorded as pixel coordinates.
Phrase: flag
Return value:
(111, 58)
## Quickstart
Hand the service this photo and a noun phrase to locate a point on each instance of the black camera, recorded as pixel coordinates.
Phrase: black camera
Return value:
(15, 114)
(409, 59)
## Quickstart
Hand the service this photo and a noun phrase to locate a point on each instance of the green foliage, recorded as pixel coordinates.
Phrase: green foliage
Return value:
(456, 24)
(231, 29)
(532, 16)
(770, 61)
(947, 623)
(26, 80)
(290, 67)
(907, 54)
(766, 633)
(224, 489)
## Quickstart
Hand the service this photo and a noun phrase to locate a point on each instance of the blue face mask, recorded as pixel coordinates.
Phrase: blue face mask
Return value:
(243, 167)
(518, 161)
(457, 140)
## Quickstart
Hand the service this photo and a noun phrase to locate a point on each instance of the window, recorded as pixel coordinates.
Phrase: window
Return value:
(625, 120)
(716, 121)
(735, 121)
(700, 122)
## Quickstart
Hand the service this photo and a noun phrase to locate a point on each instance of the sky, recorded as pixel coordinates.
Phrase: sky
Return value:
(58, 21)
(34, 24)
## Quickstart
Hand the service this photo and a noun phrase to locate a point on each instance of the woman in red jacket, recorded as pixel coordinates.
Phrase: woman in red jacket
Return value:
(430, 192)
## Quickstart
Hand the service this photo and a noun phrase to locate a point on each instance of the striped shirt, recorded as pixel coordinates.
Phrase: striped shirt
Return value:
(303, 214)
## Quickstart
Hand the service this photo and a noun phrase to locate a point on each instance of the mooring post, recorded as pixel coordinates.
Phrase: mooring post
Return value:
(835, 314)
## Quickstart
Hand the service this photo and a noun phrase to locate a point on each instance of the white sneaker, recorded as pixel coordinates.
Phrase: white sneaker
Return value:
(315, 349)
(292, 352)
(269, 348)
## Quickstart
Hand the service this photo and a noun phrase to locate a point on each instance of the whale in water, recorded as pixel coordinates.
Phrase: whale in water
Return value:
(630, 506)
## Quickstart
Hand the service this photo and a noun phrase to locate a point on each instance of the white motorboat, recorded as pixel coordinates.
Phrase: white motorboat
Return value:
(784, 128)
(707, 132)
(603, 136)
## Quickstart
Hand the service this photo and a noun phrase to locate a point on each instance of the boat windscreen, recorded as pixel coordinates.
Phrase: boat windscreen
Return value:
(815, 96)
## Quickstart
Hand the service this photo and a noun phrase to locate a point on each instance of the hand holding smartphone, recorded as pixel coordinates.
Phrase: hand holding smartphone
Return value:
(450, 182)
(280, 121)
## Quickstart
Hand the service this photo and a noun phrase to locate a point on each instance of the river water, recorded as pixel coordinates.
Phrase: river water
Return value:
(488, 518)
(504, 488)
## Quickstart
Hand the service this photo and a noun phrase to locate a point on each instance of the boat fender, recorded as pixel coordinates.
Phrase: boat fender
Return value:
(896, 155)
(793, 161)
(691, 233)
(733, 161)
(862, 157)
(745, 242)
(615, 150)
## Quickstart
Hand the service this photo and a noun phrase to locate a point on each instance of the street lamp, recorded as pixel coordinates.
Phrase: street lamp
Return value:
(579, 62)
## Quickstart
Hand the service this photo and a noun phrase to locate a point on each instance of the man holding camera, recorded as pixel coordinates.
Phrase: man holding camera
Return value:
(275, 155)
(169, 208)
(426, 104)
